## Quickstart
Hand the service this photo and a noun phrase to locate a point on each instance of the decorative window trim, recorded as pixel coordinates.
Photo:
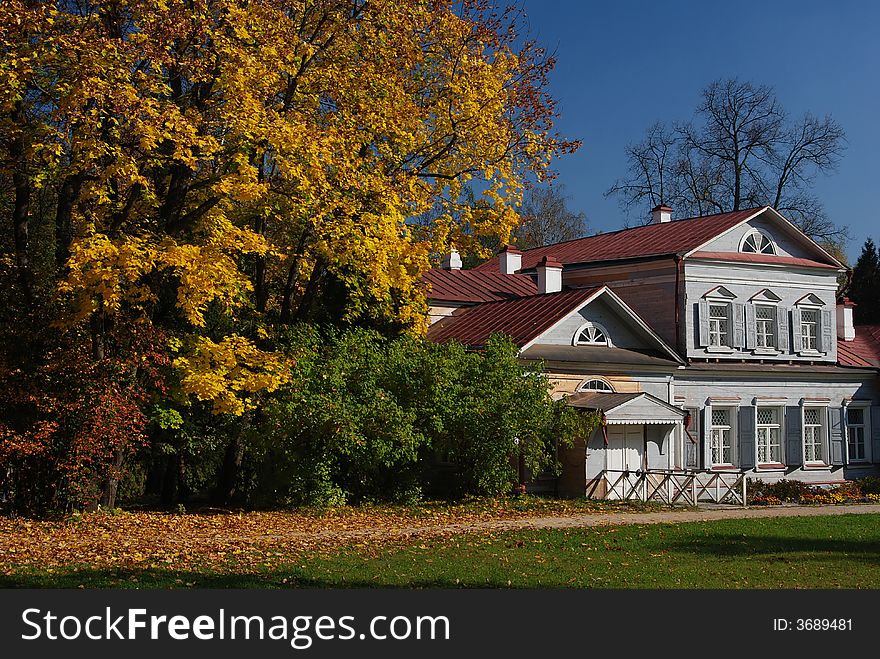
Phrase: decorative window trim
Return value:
(710, 329)
(824, 442)
(732, 435)
(757, 246)
(594, 326)
(770, 465)
(865, 408)
(584, 386)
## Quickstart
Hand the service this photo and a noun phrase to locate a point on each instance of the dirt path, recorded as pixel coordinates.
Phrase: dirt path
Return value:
(707, 513)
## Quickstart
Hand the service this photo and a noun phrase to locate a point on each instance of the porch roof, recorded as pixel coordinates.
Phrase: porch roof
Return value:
(633, 408)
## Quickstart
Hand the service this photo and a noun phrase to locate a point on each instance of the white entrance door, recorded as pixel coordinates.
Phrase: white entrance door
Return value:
(625, 446)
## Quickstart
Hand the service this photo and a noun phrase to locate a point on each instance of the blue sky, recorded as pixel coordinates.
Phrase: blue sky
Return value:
(623, 65)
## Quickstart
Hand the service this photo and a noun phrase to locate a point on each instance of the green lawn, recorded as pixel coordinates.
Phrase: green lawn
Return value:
(807, 552)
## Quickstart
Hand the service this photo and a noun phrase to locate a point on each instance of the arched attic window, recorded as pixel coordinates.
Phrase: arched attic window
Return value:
(757, 242)
(591, 334)
(596, 384)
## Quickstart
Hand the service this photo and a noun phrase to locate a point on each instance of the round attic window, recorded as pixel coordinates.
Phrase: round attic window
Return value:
(757, 243)
(591, 334)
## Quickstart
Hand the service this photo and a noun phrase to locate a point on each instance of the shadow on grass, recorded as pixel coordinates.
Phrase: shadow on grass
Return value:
(737, 545)
(158, 579)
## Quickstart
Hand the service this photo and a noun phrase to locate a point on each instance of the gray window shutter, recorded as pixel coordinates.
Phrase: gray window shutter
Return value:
(794, 444)
(706, 426)
(746, 437)
(782, 329)
(835, 433)
(796, 343)
(738, 325)
(693, 437)
(703, 321)
(751, 328)
(825, 331)
(874, 433)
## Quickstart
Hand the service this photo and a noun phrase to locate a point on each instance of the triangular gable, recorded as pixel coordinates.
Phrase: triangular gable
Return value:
(720, 292)
(809, 298)
(628, 408)
(765, 295)
(783, 223)
(628, 314)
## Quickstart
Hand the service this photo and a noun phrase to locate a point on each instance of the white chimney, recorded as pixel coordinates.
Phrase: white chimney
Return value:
(845, 328)
(510, 260)
(452, 261)
(661, 214)
(549, 275)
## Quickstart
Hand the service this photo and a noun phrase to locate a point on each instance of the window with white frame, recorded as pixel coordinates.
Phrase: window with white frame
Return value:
(809, 329)
(596, 385)
(757, 243)
(719, 324)
(765, 326)
(856, 429)
(721, 436)
(769, 435)
(592, 334)
(814, 434)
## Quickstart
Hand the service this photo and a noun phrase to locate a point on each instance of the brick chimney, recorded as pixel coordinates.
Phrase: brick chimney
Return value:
(661, 214)
(452, 261)
(510, 260)
(845, 328)
(549, 275)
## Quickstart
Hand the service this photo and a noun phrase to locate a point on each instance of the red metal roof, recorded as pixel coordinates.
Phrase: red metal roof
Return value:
(678, 237)
(522, 319)
(745, 257)
(474, 286)
(863, 350)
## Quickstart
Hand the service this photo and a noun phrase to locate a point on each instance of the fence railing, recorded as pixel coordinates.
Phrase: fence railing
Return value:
(684, 487)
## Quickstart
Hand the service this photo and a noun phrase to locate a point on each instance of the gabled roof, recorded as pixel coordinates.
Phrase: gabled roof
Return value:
(522, 319)
(642, 407)
(684, 237)
(863, 351)
(677, 237)
(472, 286)
(525, 319)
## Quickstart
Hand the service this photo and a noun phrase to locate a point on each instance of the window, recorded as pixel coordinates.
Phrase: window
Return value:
(814, 434)
(855, 433)
(765, 326)
(720, 436)
(769, 435)
(809, 329)
(719, 325)
(592, 334)
(757, 243)
(596, 385)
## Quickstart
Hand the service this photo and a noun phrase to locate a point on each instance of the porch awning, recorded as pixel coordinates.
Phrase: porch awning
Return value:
(635, 408)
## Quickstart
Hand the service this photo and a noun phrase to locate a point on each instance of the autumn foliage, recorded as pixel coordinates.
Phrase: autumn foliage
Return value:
(180, 180)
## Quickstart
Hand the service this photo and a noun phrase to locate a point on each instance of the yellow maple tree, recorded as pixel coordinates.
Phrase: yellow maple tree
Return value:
(220, 160)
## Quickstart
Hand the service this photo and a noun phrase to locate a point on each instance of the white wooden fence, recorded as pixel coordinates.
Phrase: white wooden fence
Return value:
(682, 487)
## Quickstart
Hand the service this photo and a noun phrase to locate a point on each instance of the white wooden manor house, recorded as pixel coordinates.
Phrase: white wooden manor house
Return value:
(715, 348)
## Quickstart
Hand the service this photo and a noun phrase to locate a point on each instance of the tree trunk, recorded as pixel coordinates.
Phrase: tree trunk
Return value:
(227, 478)
(292, 278)
(111, 483)
(67, 196)
(21, 211)
(311, 290)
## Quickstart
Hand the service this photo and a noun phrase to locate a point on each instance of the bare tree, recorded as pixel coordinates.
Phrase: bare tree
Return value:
(547, 218)
(738, 151)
